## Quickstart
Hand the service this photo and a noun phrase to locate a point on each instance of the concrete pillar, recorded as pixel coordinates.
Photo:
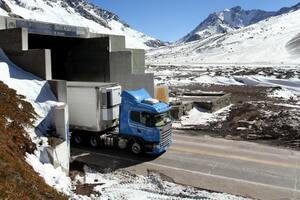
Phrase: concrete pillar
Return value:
(116, 43)
(138, 61)
(59, 89)
(35, 61)
(61, 153)
(121, 72)
(61, 119)
(14, 39)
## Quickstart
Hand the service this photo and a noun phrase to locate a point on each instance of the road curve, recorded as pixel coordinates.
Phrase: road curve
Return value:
(235, 167)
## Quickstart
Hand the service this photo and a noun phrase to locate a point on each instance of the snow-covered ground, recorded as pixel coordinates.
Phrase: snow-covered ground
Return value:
(123, 185)
(284, 80)
(287, 77)
(77, 13)
(272, 41)
(200, 117)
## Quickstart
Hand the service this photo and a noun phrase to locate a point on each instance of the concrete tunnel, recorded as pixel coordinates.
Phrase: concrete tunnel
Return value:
(75, 59)
(54, 51)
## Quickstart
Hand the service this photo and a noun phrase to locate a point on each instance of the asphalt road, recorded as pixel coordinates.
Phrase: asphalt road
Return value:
(235, 167)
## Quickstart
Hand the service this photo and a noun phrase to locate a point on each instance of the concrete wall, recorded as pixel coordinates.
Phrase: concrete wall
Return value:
(44, 28)
(37, 61)
(121, 71)
(14, 39)
(117, 43)
(138, 61)
(61, 157)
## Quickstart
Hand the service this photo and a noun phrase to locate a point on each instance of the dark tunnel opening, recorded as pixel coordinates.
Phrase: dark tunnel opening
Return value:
(75, 59)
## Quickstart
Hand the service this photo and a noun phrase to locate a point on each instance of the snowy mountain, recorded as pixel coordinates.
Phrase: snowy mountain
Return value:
(275, 40)
(78, 13)
(229, 20)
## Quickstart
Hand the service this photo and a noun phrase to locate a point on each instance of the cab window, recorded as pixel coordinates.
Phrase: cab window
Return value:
(135, 116)
(146, 119)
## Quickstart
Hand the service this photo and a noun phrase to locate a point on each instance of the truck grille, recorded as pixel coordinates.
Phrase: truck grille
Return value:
(165, 138)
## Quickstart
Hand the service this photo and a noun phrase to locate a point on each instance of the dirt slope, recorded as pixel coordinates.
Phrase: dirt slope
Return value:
(17, 179)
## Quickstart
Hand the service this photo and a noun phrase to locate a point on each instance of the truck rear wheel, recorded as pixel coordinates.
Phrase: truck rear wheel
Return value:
(94, 141)
(136, 147)
(78, 139)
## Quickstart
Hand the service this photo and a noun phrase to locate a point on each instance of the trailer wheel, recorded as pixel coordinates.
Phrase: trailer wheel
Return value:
(94, 141)
(78, 139)
(136, 147)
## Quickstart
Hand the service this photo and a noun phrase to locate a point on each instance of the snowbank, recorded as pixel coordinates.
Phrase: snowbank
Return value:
(200, 117)
(290, 84)
(53, 177)
(38, 93)
(283, 94)
(35, 90)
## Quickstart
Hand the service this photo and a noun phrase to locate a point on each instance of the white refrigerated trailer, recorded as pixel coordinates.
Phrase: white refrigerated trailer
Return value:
(93, 107)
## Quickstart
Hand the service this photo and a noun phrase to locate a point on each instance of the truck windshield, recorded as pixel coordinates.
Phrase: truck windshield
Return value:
(161, 119)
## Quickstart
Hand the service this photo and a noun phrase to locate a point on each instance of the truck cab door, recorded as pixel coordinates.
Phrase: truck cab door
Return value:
(141, 125)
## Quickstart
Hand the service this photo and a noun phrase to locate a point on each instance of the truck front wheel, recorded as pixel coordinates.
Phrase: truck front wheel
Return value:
(136, 147)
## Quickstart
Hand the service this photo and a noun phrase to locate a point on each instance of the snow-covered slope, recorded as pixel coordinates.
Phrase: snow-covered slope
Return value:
(230, 20)
(275, 40)
(224, 22)
(78, 13)
(36, 91)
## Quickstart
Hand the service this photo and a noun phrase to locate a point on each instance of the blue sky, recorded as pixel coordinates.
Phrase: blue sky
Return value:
(170, 20)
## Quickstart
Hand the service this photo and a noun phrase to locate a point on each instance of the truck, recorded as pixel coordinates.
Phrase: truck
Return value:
(101, 115)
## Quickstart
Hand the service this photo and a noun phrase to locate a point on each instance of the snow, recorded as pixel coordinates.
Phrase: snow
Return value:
(291, 86)
(286, 78)
(288, 105)
(268, 42)
(283, 94)
(200, 117)
(124, 185)
(53, 177)
(35, 90)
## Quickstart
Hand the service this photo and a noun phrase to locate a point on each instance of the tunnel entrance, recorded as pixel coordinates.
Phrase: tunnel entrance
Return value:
(75, 59)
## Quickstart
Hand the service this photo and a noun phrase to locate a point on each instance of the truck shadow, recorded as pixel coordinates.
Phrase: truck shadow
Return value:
(112, 159)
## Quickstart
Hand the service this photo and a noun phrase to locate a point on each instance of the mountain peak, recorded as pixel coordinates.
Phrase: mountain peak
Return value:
(229, 20)
(236, 9)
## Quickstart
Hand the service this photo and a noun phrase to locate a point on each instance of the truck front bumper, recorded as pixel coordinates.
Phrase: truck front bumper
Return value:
(157, 149)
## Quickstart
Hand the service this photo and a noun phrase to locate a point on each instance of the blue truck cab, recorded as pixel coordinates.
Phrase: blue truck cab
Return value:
(145, 122)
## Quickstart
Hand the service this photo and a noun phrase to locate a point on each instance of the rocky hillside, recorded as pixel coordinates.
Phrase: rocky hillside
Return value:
(78, 13)
(18, 180)
(229, 20)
